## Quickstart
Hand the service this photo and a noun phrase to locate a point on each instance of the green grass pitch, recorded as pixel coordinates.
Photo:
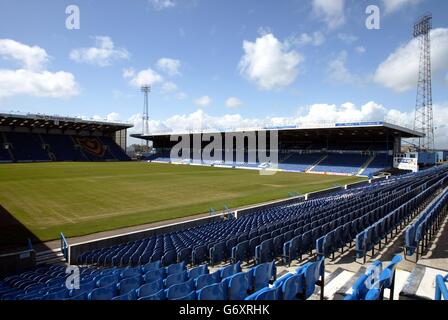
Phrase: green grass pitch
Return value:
(84, 198)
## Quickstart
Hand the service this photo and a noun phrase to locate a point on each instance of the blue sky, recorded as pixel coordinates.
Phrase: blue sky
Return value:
(222, 62)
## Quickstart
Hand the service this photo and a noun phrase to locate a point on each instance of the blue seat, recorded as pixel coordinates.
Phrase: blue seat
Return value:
(130, 273)
(364, 283)
(207, 279)
(176, 279)
(199, 255)
(265, 294)
(180, 290)
(387, 277)
(184, 255)
(218, 253)
(239, 285)
(265, 251)
(240, 252)
(107, 281)
(125, 297)
(169, 258)
(198, 271)
(216, 291)
(59, 295)
(293, 286)
(149, 289)
(314, 274)
(175, 268)
(103, 293)
(230, 270)
(291, 249)
(154, 275)
(129, 284)
(151, 266)
(157, 296)
(263, 274)
(190, 297)
(441, 289)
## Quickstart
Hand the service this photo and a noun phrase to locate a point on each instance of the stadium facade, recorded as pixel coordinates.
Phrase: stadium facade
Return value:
(37, 137)
(354, 148)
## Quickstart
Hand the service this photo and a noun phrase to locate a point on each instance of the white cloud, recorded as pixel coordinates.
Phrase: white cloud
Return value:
(101, 55)
(38, 84)
(347, 38)
(162, 4)
(316, 39)
(32, 78)
(31, 58)
(169, 87)
(330, 11)
(181, 96)
(269, 63)
(169, 66)
(204, 101)
(338, 72)
(360, 49)
(233, 102)
(400, 70)
(144, 77)
(392, 6)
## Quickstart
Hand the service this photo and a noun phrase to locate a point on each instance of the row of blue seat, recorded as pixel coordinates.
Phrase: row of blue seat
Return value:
(300, 285)
(419, 233)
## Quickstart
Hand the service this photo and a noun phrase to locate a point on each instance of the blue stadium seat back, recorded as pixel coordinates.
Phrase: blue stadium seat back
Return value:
(386, 276)
(175, 268)
(199, 255)
(151, 266)
(289, 235)
(105, 281)
(265, 294)
(241, 251)
(198, 271)
(278, 244)
(179, 290)
(373, 294)
(157, 296)
(230, 270)
(103, 293)
(130, 273)
(154, 275)
(184, 255)
(293, 287)
(239, 285)
(207, 280)
(312, 273)
(360, 244)
(192, 296)
(263, 274)
(169, 258)
(149, 289)
(305, 245)
(84, 287)
(441, 288)
(124, 297)
(129, 284)
(176, 278)
(60, 295)
(82, 297)
(320, 250)
(216, 291)
(279, 282)
(217, 253)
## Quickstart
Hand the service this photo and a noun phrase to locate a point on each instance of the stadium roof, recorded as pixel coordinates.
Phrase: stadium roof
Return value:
(324, 128)
(59, 122)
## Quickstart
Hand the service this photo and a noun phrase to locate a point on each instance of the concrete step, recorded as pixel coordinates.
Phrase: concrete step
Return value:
(420, 284)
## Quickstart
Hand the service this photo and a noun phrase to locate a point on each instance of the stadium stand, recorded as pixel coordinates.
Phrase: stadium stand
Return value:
(28, 138)
(341, 163)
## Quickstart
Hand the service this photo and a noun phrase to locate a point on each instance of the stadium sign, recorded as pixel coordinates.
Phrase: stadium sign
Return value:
(360, 124)
(403, 163)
